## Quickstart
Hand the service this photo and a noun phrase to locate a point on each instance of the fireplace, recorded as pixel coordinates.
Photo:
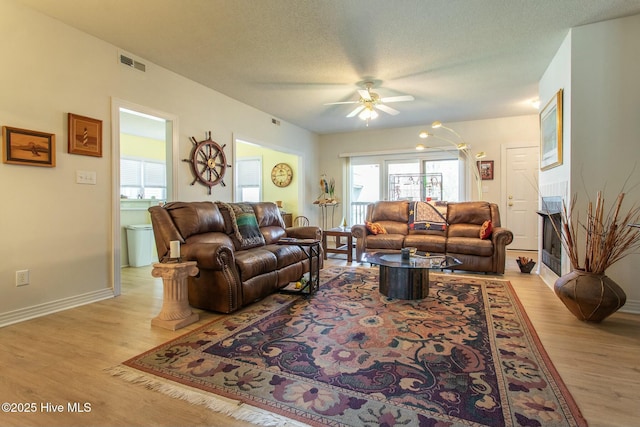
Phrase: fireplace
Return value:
(551, 255)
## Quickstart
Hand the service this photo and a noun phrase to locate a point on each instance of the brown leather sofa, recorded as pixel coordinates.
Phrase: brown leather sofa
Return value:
(460, 238)
(230, 275)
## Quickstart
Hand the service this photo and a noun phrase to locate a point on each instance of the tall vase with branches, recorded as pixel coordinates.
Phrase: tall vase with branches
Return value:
(586, 291)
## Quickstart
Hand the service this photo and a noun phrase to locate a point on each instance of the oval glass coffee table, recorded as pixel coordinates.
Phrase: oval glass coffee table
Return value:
(407, 278)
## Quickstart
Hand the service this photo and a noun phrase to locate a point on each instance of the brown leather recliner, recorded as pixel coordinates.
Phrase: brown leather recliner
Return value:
(230, 276)
(460, 239)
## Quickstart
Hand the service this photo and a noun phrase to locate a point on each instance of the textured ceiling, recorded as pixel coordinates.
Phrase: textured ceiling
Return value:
(460, 59)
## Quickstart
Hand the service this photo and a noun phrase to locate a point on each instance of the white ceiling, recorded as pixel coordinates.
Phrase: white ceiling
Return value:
(460, 59)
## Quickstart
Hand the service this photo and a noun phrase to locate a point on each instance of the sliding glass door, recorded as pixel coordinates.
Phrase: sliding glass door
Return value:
(365, 188)
(430, 176)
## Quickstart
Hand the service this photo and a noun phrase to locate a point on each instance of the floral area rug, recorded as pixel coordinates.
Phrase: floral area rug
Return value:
(466, 355)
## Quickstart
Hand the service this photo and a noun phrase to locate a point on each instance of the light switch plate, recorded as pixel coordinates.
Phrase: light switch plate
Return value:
(86, 177)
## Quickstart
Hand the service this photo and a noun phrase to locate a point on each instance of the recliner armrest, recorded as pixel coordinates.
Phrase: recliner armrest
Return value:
(212, 256)
(308, 232)
(501, 236)
(359, 231)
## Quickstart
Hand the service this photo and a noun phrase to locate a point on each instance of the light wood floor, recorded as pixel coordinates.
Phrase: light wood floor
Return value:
(60, 358)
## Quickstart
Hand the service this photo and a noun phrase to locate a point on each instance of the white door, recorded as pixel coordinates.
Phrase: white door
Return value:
(521, 173)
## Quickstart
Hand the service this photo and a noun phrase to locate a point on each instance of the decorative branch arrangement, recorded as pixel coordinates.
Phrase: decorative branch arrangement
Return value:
(608, 239)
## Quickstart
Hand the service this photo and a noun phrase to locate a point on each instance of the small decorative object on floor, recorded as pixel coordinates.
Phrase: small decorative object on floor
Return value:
(525, 264)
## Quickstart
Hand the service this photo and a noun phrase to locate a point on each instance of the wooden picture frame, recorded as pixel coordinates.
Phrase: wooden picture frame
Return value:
(85, 136)
(28, 147)
(551, 133)
(485, 169)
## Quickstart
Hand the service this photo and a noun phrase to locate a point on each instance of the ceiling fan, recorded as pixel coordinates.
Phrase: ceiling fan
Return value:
(370, 101)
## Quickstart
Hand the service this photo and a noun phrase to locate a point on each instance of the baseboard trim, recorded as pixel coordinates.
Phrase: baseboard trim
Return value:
(631, 306)
(40, 310)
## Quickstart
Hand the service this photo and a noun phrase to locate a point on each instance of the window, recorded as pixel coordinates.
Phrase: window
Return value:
(368, 182)
(143, 179)
(449, 169)
(365, 188)
(248, 179)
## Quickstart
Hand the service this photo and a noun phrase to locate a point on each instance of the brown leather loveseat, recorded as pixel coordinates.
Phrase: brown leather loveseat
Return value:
(237, 263)
(458, 233)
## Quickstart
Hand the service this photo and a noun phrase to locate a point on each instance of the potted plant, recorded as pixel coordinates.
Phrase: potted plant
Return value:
(607, 238)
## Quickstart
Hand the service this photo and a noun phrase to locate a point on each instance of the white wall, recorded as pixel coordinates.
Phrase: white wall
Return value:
(557, 181)
(59, 230)
(606, 125)
(482, 135)
(598, 67)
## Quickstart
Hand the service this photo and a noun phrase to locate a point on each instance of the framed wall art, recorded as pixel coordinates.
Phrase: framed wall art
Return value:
(28, 147)
(85, 136)
(485, 167)
(551, 133)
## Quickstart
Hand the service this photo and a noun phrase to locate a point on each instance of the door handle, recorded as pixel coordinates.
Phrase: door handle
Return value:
(510, 204)
(510, 197)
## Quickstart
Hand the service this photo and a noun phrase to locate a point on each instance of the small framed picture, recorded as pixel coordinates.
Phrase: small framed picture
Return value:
(485, 167)
(28, 147)
(85, 136)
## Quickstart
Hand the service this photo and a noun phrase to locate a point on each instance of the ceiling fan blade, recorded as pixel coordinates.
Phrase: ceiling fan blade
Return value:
(364, 94)
(400, 98)
(342, 102)
(387, 109)
(356, 111)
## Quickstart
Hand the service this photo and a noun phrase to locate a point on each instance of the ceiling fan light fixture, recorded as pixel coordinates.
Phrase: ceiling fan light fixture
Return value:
(368, 114)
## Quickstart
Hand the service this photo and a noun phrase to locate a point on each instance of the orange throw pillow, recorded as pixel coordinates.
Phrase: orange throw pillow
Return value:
(375, 228)
(486, 230)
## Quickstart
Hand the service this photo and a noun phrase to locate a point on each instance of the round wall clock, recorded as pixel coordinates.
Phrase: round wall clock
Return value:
(281, 174)
(208, 162)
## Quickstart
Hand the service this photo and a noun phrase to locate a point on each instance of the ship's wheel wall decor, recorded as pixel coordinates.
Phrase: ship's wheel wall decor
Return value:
(208, 162)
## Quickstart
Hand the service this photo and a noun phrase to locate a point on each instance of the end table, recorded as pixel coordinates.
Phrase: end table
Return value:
(338, 232)
(176, 312)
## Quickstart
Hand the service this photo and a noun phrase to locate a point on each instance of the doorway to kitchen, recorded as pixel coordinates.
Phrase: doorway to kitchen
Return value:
(144, 148)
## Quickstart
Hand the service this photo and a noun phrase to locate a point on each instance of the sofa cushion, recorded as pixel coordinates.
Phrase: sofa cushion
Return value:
(426, 242)
(286, 254)
(195, 217)
(272, 234)
(394, 227)
(385, 241)
(468, 213)
(464, 230)
(424, 216)
(255, 262)
(268, 214)
(245, 232)
(469, 246)
(390, 211)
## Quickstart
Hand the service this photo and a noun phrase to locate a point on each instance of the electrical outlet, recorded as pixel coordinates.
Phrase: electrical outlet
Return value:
(22, 277)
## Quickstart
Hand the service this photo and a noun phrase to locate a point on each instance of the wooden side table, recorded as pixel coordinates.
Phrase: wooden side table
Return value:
(338, 233)
(176, 312)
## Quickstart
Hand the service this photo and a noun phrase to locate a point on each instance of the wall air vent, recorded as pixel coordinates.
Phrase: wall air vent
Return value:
(130, 62)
